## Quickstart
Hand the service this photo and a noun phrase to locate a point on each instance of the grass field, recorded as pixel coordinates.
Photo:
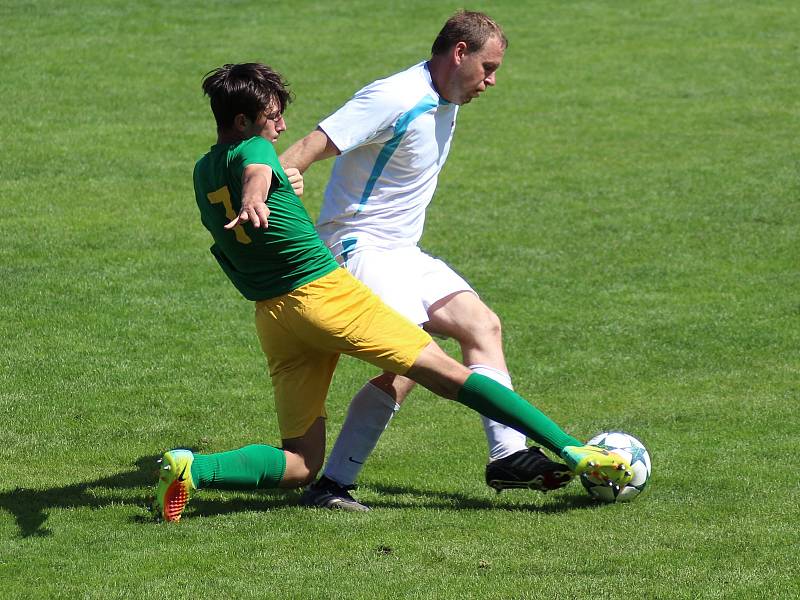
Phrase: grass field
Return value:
(627, 199)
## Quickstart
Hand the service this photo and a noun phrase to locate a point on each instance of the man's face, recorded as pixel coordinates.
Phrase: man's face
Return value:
(269, 124)
(476, 70)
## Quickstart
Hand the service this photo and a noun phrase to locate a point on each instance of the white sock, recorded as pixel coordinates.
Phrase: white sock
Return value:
(503, 440)
(370, 411)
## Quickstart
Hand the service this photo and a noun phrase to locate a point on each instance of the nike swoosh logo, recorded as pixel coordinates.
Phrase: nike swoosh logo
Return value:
(182, 477)
(351, 459)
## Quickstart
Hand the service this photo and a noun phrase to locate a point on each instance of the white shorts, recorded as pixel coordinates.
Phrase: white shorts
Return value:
(406, 279)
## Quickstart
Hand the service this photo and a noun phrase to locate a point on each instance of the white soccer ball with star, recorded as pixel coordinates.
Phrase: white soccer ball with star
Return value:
(634, 452)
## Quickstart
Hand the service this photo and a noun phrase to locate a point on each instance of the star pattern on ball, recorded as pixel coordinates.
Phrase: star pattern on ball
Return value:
(637, 455)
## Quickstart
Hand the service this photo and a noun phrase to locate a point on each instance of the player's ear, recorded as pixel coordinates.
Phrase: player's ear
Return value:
(459, 51)
(241, 122)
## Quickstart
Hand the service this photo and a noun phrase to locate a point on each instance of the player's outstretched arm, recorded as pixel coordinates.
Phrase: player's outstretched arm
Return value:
(308, 150)
(255, 186)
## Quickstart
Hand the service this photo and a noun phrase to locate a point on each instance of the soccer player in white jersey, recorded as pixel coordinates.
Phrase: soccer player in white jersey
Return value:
(391, 140)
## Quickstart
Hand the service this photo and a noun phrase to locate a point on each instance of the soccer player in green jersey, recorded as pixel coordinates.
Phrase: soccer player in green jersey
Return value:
(309, 311)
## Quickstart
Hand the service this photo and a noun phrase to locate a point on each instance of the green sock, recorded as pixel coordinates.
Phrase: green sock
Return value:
(503, 405)
(248, 468)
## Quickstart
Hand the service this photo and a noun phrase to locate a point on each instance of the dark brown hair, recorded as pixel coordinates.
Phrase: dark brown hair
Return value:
(245, 88)
(470, 27)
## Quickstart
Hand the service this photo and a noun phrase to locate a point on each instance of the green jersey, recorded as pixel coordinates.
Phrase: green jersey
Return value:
(261, 263)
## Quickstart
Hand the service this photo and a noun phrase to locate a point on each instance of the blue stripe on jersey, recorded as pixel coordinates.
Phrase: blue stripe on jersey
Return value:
(400, 128)
(347, 245)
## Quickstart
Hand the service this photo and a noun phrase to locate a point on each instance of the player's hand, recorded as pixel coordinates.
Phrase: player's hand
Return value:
(256, 212)
(296, 179)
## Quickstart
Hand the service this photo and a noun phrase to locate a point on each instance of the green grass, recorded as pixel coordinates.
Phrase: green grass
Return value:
(627, 199)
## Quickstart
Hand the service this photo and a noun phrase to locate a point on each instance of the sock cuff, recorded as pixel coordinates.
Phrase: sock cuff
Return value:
(492, 373)
(474, 385)
(378, 394)
(202, 470)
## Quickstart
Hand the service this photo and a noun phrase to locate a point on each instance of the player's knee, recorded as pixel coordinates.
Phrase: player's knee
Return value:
(486, 327)
(396, 387)
(494, 324)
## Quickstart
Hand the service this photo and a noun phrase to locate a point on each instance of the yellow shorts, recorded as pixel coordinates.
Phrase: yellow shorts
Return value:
(303, 333)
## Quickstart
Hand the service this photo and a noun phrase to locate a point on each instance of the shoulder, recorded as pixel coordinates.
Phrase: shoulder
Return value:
(256, 150)
(201, 163)
(375, 110)
(399, 91)
(256, 144)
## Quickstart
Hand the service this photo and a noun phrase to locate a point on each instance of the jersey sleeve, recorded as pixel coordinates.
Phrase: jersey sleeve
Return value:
(257, 151)
(369, 116)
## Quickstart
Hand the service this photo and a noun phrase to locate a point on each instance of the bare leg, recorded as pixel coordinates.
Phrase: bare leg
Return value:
(465, 318)
(395, 386)
(448, 378)
(438, 372)
(461, 316)
(304, 456)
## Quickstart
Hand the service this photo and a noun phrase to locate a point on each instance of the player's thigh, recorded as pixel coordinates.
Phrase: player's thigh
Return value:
(301, 374)
(464, 317)
(345, 317)
(392, 275)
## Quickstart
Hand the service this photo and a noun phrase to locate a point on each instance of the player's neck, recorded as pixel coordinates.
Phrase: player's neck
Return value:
(440, 75)
(230, 137)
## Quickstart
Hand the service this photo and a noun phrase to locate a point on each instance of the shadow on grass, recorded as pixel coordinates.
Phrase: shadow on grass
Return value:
(456, 501)
(31, 507)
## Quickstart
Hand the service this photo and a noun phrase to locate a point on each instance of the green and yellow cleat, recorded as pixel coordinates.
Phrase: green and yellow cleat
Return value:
(175, 484)
(599, 465)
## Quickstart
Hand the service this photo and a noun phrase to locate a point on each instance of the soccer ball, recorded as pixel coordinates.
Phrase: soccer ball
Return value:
(633, 451)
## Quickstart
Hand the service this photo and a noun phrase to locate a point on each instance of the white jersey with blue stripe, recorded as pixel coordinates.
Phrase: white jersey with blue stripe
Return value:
(394, 136)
